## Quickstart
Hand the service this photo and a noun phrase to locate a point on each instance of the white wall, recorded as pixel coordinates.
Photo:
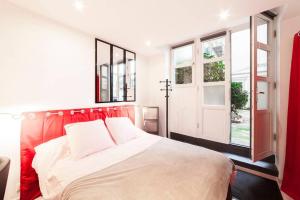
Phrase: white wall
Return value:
(141, 87)
(155, 97)
(44, 65)
(288, 29)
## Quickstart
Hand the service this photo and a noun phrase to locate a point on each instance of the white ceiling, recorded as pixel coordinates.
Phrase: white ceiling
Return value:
(130, 23)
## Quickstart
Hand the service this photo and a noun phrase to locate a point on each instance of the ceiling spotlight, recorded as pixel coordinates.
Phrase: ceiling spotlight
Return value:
(79, 5)
(224, 14)
(148, 43)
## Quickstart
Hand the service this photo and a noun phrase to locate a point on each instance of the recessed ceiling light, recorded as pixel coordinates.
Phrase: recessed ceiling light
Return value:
(224, 14)
(79, 5)
(148, 43)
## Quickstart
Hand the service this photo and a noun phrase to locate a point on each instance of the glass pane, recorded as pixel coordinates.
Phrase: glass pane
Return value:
(118, 74)
(104, 71)
(104, 84)
(214, 95)
(130, 76)
(183, 56)
(214, 71)
(104, 90)
(262, 63)
(104, 77)
(183, 75)
(103, 53)
(262, 31)
(213, 48)
(103, 63)
(262, 95)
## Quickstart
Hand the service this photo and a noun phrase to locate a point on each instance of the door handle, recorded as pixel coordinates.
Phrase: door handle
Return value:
(261, 93)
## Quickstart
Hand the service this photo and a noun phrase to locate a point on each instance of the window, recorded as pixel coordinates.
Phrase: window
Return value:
(214, 95)
(213, 56)
(214, 84)
(183, 64)
(130, 76)
(262, 63)
(118, 74)
(214, 71)
(104, 72)
(262, 96)
(262, 30)
(115, 73)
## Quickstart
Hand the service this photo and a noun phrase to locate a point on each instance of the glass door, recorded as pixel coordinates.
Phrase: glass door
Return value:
(183, 114)
(215, 76)
(262, 82)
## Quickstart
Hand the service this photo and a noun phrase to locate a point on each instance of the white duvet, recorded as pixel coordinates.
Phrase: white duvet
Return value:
(146, 162)
(65, 170)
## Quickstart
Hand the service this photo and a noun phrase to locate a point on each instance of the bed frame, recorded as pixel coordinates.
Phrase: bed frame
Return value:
(40, 127)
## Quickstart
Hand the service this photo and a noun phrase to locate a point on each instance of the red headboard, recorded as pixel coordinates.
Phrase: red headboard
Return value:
(39, 127)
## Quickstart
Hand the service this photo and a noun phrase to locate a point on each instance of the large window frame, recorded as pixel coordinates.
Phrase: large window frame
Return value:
(110, 78)
(174, 66)
(223, 59)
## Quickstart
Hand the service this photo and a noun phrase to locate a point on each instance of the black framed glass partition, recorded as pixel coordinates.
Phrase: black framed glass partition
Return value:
(130, 76)
(115, 73)
(103, 72)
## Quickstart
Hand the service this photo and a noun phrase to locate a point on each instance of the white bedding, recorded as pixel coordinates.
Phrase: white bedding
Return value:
(66, 170)
(167, 170)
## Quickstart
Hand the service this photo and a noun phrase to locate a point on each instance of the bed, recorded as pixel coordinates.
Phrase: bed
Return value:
(147, 167)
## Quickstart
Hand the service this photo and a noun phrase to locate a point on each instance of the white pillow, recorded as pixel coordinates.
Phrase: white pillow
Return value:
(121, 129)
(46, 156)
(85, 138)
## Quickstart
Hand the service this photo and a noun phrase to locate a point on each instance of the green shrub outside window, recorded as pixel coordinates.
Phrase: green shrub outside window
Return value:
(214, 71)
(183, 75)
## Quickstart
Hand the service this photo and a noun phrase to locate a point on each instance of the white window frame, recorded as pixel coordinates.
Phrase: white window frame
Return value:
(223, 138)
(226, 59)
(173, 67)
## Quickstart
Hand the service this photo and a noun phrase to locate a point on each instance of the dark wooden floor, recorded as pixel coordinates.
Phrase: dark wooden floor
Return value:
(250, 187)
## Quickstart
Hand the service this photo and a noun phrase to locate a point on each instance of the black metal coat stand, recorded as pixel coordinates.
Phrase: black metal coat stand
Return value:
(167, 89)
